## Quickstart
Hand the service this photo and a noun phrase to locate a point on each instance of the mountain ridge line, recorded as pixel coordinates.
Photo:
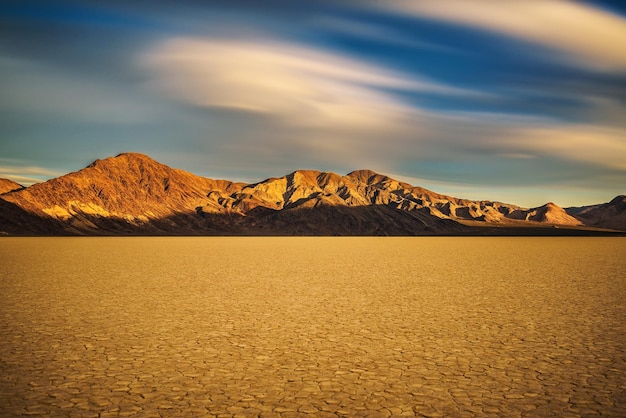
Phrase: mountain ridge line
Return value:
(132, 193)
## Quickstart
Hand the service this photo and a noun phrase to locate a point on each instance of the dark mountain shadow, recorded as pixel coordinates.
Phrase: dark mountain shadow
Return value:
(16, 221)
(373, 220)
(377, 220)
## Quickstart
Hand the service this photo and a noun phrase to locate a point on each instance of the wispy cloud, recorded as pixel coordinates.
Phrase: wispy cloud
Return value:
(27, 175)
(589, 36)
(301, 84)
(294, 102)
(597, 145)
(513, 137)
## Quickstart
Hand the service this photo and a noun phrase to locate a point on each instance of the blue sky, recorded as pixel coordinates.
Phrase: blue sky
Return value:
(517, 101)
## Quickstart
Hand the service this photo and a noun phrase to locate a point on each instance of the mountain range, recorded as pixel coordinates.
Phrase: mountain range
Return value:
(132, 194)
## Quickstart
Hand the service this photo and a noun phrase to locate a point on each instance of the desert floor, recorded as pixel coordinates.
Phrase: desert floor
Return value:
(101, 327)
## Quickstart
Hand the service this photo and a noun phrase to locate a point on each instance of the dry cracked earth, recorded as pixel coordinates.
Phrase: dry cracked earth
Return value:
(325, 327)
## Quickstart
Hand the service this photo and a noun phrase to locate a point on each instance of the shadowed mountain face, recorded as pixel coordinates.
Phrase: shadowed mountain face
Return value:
(133, 194)
(610, 215)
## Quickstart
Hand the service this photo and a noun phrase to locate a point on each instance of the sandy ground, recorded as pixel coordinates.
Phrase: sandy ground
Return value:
(313, 326)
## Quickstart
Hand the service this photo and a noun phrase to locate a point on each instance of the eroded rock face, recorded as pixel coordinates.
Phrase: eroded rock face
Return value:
(132, 193)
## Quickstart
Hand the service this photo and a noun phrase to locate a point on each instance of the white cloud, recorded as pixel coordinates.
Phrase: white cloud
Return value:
(301, 85)
(589, 36)
(597, 145)
(524, 138)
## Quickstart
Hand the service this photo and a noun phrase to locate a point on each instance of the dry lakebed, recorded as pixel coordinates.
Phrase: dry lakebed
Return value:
(288, 327)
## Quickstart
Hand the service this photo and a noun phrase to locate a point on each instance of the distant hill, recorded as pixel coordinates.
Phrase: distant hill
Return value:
(610, 215)
(133, 194)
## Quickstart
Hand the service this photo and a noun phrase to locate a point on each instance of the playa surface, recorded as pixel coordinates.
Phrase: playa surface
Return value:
(101, 327)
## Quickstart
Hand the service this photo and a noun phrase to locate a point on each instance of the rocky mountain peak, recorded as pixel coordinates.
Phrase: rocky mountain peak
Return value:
(552, 214)
(364, 176)
(130, 165)
(129, 186)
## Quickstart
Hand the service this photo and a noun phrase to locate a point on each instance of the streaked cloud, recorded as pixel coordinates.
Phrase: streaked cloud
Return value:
(320, 107)
(587, 35)
(25, 174)
(519, 137)
(302, 85)
(597, 145)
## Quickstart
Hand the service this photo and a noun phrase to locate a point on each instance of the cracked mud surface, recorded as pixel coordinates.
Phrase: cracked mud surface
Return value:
(287, 327)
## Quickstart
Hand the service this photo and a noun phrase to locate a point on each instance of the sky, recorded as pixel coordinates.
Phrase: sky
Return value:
(518, 101)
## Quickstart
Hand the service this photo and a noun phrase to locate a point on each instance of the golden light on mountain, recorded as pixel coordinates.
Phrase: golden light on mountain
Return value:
(133, 194)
